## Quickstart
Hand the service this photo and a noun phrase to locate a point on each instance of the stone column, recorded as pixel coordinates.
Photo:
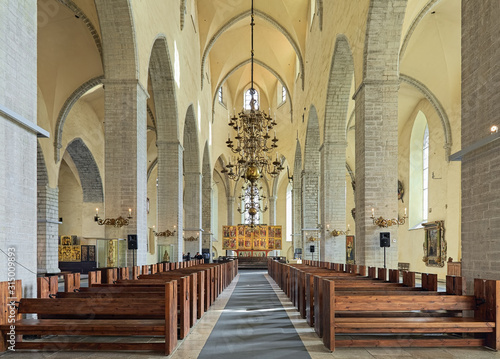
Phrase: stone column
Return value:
(170, 195)
(310, 206)
(47, 230)
(297, 210)
(192, 208)
(376, 169)
(206, 215)
(481, 167)
(126, 162)
(333, 200)
(18, 149)
(230, 215)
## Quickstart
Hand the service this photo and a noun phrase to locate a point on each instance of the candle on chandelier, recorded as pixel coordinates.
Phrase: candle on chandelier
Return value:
(97, 212)
(373, 212)
(130, 212)
(405, 211)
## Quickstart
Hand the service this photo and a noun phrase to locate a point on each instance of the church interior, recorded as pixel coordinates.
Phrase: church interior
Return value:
(365, 132)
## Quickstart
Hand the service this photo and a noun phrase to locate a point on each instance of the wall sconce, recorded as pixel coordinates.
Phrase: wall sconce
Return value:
(382, 222)
(166, 233)
(494, 129)
(116, 222)
(190, 239)
(336, 233)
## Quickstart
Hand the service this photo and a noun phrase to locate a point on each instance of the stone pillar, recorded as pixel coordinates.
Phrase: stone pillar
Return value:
(18, 143)
(481, 167)
(206, 214)
(297, 210)
(333, 200)
(47, 230)
(192, 208)
(310, 206)
(230, 211)
(126, 162)
(376, 169)
(170, 195)
(230, 216)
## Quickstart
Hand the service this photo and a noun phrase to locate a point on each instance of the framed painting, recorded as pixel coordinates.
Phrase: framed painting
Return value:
(349, 249)
(435, 247)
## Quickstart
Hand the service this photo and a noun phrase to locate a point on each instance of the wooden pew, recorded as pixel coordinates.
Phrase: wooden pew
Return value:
(484, 322)
(162, 321)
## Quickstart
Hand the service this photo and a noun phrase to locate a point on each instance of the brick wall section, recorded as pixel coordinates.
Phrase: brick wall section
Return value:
(206, 201)
(47, 229)
(47, 220)
(481, 168)
(126, 161)
(170, 193)
(192, 208)
(310, 178)
(18, 55)
(297, 198)
(377, 132)
(333, 199)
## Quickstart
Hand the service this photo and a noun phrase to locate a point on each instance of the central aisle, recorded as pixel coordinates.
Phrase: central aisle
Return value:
(254, 324)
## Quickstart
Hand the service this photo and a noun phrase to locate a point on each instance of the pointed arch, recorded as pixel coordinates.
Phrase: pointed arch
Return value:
(260, 63)
(66, 108)
(90, 177)
(429, 95)
(267, 18)
(163, 85)
(118, 37)
(311, 148)
(339, 87)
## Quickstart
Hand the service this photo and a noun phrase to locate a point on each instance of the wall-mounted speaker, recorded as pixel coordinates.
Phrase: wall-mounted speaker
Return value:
(385, 239)
(132, 241)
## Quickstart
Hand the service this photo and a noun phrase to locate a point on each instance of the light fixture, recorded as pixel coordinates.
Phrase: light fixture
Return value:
(191, 238)
(251, 204)
(494, 129)
(336, 233)
(167, 233)
(252, 142)
(384, 223)
(116, 222)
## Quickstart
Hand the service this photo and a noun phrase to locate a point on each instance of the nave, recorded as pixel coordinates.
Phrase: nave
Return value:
(253, 318)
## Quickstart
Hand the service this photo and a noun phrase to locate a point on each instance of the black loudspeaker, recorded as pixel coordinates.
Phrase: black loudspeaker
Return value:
(311, 249)
(132, 241)
(385, 239)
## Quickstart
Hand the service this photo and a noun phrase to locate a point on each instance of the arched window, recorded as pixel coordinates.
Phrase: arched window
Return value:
(289, 228)
(425, 175)
(248, 97)
(419, 172)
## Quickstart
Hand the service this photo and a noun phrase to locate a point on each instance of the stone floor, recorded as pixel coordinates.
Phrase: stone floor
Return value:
(191, 347)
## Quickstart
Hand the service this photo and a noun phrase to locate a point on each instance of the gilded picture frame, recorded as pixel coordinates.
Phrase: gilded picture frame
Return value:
(435, 246)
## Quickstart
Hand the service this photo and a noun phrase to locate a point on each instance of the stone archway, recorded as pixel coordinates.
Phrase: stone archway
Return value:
(333, 199)
(192, 184)
(170, 151)
(310, 178)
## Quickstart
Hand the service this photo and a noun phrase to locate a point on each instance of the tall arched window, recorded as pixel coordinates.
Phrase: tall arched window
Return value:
(248, 97)
(425, 175)
(419, 171)
(289, 228)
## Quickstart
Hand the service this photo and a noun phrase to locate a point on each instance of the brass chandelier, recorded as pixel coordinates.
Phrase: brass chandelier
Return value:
(252, 142)
(251, 204)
